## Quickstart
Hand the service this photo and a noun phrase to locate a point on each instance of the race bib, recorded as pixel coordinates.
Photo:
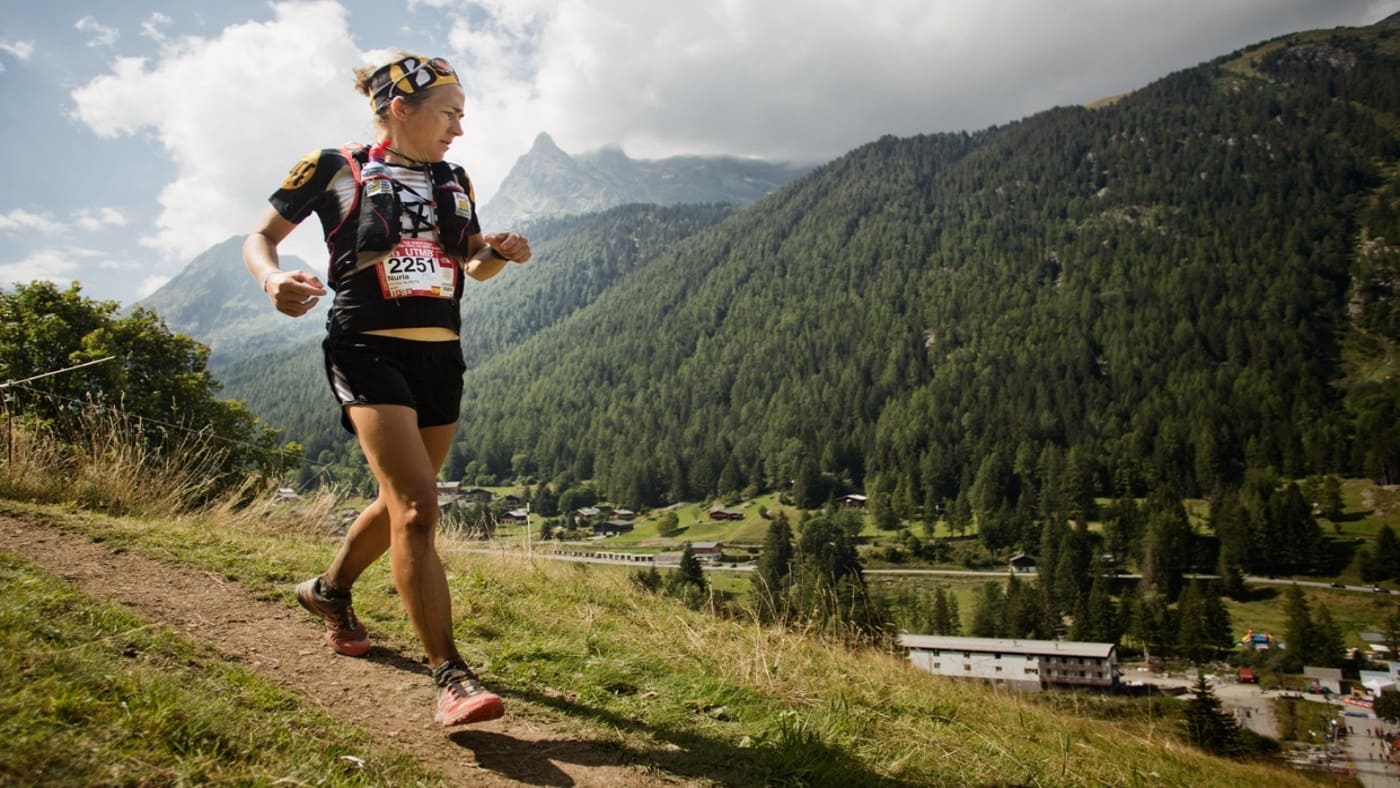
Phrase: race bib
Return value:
(418, 267)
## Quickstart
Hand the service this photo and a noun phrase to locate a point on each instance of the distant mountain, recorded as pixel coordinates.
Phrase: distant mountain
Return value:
(547, 182)
(215, 301)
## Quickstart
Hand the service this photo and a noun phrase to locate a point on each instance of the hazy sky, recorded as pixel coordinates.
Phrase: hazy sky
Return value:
(142, 133)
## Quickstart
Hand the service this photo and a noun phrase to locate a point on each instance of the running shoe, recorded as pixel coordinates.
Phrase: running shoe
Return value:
(461, 699)
(344, 632)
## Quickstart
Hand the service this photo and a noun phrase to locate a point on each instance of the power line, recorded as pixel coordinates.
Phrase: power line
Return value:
(9, 383)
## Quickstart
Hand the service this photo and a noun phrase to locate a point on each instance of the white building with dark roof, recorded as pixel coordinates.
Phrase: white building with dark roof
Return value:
(1021, 664)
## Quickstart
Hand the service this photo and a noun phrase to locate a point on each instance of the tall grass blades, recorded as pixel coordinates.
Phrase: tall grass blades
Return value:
(104, 460)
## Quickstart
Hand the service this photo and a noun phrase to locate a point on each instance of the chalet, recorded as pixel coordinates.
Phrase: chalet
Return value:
(512, 500)
(707, 552)
(1018, 664)
(449, 488)
(476, 495)
(515, 517)
(1022, 564)
(721, 513)
(1376, 681)
(1375, 643)
(1324, 680)
(852, 500)
(624, 514)
(612, 527)
(588, 512)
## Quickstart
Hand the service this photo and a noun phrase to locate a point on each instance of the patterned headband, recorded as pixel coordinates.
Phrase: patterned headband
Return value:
(407, 76)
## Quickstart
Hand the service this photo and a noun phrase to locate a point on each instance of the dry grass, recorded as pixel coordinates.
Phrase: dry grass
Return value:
(102, 465)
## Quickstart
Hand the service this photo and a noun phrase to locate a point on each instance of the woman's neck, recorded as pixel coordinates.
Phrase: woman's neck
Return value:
(395, 156)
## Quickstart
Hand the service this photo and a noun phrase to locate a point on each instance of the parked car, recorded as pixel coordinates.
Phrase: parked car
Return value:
(1339, 585)
(1380, 590)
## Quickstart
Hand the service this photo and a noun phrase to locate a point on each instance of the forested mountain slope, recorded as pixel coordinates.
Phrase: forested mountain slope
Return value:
(1155, 293)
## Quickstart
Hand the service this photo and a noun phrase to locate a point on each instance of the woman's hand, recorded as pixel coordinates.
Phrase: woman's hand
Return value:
(294, 293)
(512, 246)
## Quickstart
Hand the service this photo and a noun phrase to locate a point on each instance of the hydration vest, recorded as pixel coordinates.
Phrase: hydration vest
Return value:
(372, 222)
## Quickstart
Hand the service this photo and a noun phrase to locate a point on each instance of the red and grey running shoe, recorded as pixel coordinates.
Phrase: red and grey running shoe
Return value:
(344, 632)
(461, 699)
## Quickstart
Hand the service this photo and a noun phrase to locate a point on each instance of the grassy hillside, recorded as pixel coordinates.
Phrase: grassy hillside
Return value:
(719, 701)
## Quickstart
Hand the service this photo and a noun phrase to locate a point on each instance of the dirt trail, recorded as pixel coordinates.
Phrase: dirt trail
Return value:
(387, 693)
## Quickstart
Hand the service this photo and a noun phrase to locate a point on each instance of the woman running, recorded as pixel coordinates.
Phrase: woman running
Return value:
(401, 227)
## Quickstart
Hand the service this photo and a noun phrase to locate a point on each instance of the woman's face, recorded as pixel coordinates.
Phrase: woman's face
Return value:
(426, 131)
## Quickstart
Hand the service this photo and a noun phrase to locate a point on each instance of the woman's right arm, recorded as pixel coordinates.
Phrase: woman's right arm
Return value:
(294, 293)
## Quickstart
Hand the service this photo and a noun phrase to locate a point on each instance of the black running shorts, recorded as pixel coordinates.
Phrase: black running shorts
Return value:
(364, 369)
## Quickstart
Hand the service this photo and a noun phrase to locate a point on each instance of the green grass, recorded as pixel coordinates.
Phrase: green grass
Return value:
(574, 648)
(1354, 612)
(90, 694)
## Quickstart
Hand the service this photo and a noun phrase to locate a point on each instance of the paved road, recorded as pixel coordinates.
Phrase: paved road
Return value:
(1254, 708)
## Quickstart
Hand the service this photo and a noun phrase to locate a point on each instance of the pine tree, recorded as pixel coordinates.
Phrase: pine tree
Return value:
(1330, 647)
(1205, 722)
(1152, 625)
(1167, 555)
(1300, 636)
(990, 613)
(771, 576)
(1387, 706)
(1219, 631)
(690, 573)
(1386, 554)
(1191, 637)
(941, 622)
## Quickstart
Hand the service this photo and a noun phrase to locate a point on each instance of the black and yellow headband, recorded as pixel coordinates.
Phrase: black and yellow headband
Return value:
(406, 76)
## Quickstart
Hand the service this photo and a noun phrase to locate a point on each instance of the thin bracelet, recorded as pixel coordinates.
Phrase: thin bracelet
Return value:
(497, 253)
(268, 276)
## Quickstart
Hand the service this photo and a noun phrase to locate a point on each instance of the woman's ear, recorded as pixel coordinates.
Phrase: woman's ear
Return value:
(398, 107)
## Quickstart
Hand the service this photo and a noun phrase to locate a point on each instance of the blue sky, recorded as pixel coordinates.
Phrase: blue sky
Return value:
(144, 132)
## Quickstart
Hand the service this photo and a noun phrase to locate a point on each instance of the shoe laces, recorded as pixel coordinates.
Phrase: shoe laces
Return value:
(340, 606)
(456, 676)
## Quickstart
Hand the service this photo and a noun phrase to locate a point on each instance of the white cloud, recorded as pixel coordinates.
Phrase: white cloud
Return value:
(22, 50)
(151, 27)
(93, 220)
(151, 284)
(60, 266)
(796, 79)
(102, 36)
(234, 113)
(20, 220)
(791, 79)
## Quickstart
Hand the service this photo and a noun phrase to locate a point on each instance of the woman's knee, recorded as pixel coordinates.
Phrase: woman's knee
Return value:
(417, 514)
